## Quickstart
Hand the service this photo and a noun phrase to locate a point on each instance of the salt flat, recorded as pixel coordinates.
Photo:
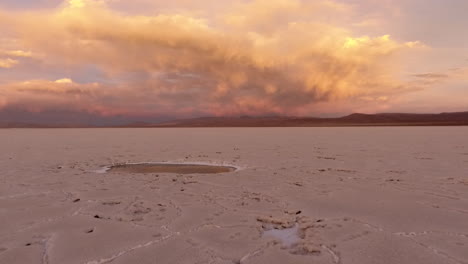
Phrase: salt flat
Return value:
(354, 195)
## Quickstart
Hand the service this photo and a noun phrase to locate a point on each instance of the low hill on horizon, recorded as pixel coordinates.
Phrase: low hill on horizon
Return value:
(356, 119)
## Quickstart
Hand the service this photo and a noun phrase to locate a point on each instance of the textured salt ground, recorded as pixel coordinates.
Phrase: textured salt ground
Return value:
(356, 195)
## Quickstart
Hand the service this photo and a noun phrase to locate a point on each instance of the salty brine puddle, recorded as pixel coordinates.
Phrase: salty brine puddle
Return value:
(179, 168)
(287, 236)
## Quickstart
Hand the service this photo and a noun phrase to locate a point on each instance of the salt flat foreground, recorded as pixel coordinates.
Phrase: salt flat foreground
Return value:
(336, 195)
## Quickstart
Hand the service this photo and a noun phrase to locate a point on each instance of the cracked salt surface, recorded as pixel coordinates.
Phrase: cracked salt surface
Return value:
(287, 236)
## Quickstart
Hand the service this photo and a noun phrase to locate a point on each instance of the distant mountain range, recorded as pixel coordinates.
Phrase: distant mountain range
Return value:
(384, 119)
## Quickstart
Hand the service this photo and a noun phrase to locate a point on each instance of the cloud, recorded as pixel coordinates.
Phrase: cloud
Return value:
(268, 16)
(16, 53)
(432, 76)
(261, 57)
(37, 96)
(40, 95)
(8, 63)
(64, 81)
(76, 3)
(10, 58)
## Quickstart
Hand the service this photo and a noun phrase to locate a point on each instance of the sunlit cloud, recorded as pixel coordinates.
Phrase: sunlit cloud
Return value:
(258, 57)
(76, 3)
(8, 63)
(64, 81)
(16, 53)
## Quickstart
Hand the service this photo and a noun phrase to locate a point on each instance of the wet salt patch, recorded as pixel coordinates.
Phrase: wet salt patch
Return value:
(287, 236)
(220, 164)
(169, 167)
(231, 167)
(102, 170)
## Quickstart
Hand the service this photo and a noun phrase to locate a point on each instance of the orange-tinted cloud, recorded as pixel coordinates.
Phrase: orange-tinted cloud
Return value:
(10, 58)
(276, 56)
(8, 63)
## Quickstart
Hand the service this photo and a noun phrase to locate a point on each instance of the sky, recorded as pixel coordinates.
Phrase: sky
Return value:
(117, 61)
